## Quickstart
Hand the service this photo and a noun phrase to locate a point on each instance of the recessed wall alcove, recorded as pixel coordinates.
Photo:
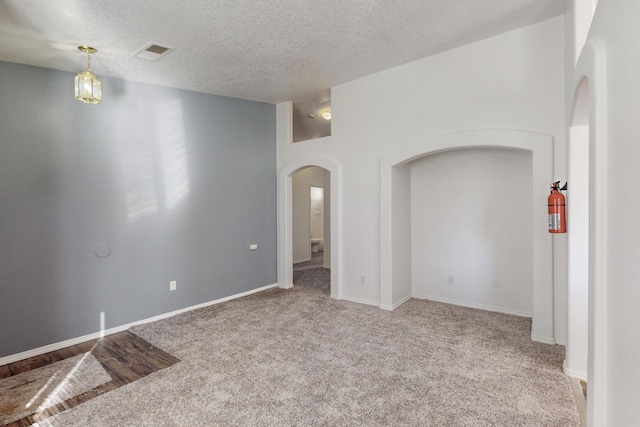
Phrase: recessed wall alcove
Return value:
(395, 215)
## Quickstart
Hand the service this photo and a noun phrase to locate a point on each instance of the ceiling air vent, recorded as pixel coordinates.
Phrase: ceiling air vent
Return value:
(153, 51)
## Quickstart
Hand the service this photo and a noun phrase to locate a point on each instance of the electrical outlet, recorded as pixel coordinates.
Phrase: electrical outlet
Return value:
(362, 280)
(496, 283)
(172, 285)
(450, 280)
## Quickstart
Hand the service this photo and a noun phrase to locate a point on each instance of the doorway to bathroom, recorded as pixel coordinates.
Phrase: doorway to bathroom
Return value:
(311, 229)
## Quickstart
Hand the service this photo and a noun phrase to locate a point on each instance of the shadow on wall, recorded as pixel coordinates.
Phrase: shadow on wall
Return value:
(150, 188)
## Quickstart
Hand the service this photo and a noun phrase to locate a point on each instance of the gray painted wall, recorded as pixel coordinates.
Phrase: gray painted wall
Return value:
(175, 184)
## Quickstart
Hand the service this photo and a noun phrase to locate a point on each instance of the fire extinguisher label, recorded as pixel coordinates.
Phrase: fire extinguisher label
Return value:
(554, 221)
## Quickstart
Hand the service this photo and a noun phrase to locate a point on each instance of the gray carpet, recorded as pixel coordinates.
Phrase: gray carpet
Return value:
(317, 279)
(297, 358)
(317, 260)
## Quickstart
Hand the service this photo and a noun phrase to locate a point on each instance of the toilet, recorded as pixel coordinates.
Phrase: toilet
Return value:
(316, 245)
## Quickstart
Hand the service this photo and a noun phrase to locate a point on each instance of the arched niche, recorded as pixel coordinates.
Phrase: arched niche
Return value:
(285, 219)
(395, 246)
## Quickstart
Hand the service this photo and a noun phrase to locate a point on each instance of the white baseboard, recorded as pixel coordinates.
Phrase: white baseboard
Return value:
(395, 305)
(474, 305)
(573, 373)
(543, 340)
(360, 301)
(73, 341)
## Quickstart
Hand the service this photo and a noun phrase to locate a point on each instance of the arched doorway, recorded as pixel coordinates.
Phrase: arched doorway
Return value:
(285, 220)
(311, 215)
(395, 247)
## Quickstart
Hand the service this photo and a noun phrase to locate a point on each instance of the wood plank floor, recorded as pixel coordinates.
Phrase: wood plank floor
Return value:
(125, 356)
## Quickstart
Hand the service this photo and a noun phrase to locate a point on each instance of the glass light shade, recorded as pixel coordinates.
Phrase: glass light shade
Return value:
(88, 87)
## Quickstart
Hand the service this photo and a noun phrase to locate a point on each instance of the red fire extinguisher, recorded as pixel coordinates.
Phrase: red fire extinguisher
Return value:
(557, 214)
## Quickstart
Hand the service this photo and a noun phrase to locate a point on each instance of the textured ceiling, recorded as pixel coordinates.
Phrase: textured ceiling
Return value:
(263, 50)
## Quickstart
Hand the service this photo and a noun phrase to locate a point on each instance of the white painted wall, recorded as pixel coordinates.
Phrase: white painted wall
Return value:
(327, 220)
(578, 17)
(303, 180)
(578, 253)
(471, 219)
(512, 81)
(611, 62)
(401, 257)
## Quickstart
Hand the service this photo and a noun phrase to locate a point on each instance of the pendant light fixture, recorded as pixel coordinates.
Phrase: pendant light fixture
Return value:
(88, 86)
